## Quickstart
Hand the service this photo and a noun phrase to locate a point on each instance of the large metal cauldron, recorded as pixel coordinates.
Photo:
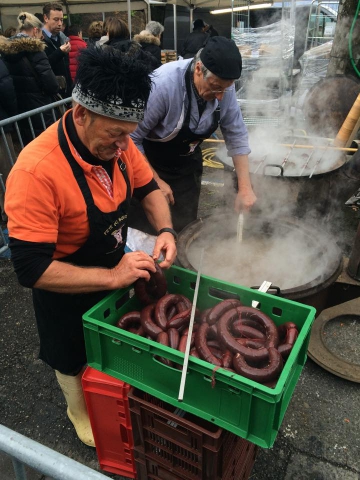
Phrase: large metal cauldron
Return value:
(306, 248)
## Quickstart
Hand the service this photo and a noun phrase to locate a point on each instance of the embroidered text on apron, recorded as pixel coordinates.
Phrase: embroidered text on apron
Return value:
(58, 315)
(179, 163)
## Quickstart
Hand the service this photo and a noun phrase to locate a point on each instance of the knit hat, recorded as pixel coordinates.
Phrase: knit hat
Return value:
(222, 57)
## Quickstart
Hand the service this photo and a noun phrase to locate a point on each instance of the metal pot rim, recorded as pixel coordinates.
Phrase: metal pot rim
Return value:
(193, 230)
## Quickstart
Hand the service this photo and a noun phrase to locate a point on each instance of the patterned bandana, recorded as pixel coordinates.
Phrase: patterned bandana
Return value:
(113, 107)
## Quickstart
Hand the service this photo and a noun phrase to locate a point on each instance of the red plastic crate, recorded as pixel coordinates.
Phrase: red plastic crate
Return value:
(108, 407)
(168, 446)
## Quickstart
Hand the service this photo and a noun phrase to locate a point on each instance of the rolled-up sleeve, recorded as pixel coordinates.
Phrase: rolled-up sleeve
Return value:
(232, 126)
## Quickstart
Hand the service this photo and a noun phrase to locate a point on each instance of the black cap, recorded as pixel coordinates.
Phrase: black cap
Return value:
(222, 57)
(199, 23)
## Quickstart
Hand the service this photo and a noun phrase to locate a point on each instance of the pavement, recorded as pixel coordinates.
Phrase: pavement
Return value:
(319, 436)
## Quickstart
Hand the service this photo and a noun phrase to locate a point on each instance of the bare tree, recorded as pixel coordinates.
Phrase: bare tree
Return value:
(340, 63)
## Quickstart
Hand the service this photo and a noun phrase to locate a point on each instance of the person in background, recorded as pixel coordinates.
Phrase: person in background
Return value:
(34, 80)
(77, 43)
(57, 47)
(10, 32)
(95, 32)
(211, 31)
(67, 200)
(104, 36)
(150, 40)
(118, 33)
(190, 99)
(8, 108)
(195, 40)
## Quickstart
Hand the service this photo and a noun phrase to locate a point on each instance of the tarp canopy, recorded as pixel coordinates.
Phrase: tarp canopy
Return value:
(10, 9)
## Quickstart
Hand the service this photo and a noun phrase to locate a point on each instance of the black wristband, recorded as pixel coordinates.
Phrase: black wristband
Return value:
(170, 230)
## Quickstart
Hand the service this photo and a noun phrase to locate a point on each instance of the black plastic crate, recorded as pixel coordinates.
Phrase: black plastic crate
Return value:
(169, 446)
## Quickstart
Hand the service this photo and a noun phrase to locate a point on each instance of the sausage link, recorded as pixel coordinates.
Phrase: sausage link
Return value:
(180, 319)
(228, 342)
(174, 338)
(291, 334)
(152, 290)
(129, 319)
(271, 333)
(267, 374)
(147, 322)
(162, 307)
(218, 310)
(241, 330)
(202, 348)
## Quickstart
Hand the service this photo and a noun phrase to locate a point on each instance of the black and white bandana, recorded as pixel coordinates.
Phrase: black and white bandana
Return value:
(114, 107)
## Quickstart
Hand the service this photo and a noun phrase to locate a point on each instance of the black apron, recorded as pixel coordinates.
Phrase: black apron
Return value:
(59, 315)
(179, 163)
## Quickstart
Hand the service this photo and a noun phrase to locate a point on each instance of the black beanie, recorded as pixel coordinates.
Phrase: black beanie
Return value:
(222, 57)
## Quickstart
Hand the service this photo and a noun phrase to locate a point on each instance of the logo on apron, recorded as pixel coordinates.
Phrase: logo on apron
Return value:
(192, 146)
(118, 236)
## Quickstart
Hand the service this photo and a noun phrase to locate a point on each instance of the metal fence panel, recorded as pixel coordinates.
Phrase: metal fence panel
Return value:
(23, 450)
(12, 143)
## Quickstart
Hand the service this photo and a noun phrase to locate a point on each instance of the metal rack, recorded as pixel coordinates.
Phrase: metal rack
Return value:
(264, 89)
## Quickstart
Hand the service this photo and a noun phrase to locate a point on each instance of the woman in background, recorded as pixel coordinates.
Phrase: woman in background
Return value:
(150, 41)
(95, 32)
(29, 67)
(77, 43)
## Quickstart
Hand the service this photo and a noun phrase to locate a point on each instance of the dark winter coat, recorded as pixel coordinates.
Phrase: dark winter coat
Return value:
(193, 42)
(131, 47)
(150, 44)
(77, 44)
(8, 102)
(34, 81)
(59, 61)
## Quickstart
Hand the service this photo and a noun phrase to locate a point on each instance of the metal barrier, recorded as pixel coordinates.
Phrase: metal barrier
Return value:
(24, 451)
(12, 144)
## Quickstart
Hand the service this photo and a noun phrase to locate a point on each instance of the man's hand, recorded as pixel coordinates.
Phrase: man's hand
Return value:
(132, 266)
(66, 47)
(244, 200)
(166, 191)
(165, 244)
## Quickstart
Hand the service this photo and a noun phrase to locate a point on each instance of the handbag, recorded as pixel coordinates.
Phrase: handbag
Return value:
(62, 82)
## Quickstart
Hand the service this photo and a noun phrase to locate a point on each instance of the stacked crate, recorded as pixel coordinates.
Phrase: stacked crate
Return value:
(170, 444)
(108, 406)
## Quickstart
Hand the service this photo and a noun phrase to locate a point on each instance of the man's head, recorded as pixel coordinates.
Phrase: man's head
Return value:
(53, 17)
(200, 25)
(74, 30)
(110, 96)
(216, 67)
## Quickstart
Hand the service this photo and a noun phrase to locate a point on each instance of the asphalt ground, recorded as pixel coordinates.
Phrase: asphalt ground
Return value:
(318, 439)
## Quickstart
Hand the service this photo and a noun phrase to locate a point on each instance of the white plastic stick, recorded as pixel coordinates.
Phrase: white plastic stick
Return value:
(191, 325)
(264, 287)
(240, 227)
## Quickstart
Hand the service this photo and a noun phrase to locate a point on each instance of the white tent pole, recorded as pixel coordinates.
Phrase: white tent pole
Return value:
(175, 27)
(129, 15)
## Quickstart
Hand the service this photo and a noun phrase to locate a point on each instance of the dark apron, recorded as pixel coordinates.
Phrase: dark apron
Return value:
(179, 163)
(59, 315)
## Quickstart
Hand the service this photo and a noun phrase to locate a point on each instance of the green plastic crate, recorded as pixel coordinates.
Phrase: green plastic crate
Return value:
(242, 406)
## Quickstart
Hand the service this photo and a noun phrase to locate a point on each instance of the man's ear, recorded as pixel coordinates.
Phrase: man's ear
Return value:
(79, 115)
(197, 69)
(46, 18)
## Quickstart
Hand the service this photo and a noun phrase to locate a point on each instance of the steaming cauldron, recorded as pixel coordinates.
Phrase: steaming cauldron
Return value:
(294, 256)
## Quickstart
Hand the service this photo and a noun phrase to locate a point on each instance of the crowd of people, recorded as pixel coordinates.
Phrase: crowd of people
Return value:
(126, 154)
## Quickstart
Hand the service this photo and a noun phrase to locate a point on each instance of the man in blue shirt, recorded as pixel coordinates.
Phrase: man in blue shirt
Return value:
(57, 46)
(189, 100)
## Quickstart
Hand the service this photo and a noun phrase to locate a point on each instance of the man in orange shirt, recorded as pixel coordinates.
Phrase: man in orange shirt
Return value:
(67, 201)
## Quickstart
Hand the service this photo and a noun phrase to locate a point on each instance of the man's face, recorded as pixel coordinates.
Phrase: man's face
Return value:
(102, 136)
(54, 21)
(211, 87)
